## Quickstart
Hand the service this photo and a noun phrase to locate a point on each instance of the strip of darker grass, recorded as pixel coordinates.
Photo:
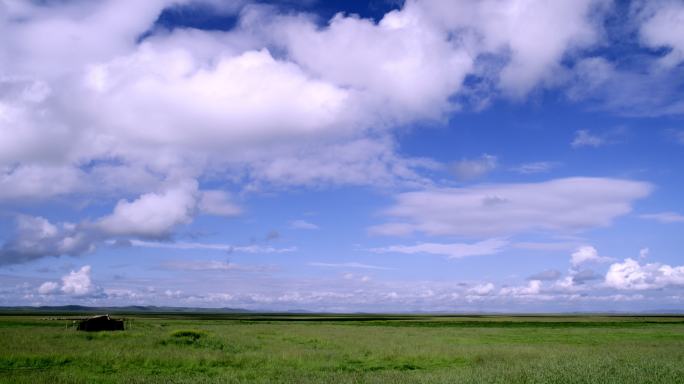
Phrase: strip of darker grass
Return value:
(478, 323)
(516, 324)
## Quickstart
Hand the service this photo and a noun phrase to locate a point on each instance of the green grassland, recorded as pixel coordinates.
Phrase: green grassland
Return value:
(245, 348)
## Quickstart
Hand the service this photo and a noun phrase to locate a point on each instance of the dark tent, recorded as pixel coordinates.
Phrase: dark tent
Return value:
(100, 323)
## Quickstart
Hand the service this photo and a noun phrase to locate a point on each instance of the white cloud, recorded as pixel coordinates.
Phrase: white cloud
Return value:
(664, 217)
(649, 85)
(630, 275)
(310, 97)
(303, 224)
(587, 254)
(631, 92)
(475, 168)
(533, 287)
(450, 250)
(211, 265)
(481, 289)
(152, 214)
(561, 205)
(79, 34)
(279, 101)
(565, 284)
(212, 247)
(35, 182)
(405, 63)
(534, 168)
(644, 252)
(346, 265)
(545, 246)
(663, 26)
(356, 278)
(583, 138)
(578, 280)
(202, 266)
(178, 79)
(48, 288)
(218, 203)
(356, 162)
(253, 287)
(78, 283)
(36, 237)
(518, 30)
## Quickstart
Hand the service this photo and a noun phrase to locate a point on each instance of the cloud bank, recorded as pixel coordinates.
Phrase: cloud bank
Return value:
(561, 205)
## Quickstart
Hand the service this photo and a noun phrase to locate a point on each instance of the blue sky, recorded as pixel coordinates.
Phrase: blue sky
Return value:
(427, 155)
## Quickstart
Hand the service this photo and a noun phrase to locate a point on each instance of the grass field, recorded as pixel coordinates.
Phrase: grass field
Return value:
(346, 349)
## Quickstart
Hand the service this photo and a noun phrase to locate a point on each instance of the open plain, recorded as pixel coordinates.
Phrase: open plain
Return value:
(271, 348)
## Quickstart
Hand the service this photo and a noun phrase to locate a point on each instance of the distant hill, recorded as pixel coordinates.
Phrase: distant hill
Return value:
(151, 309)
(127, 309)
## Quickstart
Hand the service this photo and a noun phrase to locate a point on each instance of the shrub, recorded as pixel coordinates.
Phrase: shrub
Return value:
(188, 336)
(190, 333)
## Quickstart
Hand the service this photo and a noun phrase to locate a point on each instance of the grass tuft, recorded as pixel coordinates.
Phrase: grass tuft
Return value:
(191, 334)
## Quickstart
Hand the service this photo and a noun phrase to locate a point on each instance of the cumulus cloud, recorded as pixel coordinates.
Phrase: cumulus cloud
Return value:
(577, 280)
(587, 254)
(518, 29)
(560, 205)
(405, 61)
(281, 100)
(259, 290)
(76, 283)
(405, 67)
(99, 91)
(36, 237)
(631, 275)
(178, 79)
(475, 168)
(48, 287)
(152, 215)
(663, 26)
(276, 98)
(533, 287)
(450, 250)
(481, 289)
